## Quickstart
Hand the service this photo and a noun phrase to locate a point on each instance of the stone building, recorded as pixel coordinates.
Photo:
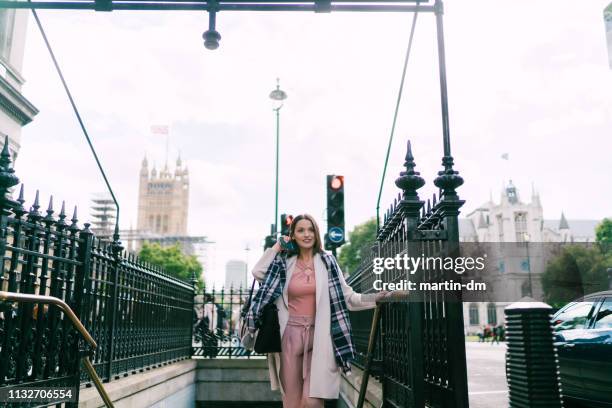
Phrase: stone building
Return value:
(15, 110)
(163, 200)
(514, 219)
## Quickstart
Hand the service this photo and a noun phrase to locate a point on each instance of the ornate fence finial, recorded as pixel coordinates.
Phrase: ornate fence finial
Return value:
(21, 200)
(18, 209)
(34, 213)
(8, 178)
(410, 180)
(74, 226)
(49, 217)
(62, 214)
(448, 179)
(434, 202)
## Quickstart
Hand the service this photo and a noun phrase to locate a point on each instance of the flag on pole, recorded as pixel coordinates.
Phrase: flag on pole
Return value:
(159, 129)
(505, 156)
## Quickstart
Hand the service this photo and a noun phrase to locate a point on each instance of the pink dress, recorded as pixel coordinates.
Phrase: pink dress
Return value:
(296, 354)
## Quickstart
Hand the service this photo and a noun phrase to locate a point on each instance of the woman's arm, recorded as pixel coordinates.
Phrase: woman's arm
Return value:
(356, 301)
(261, 267)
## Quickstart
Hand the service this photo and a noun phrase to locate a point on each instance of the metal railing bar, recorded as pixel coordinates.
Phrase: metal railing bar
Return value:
(29, 298)
(40, 255)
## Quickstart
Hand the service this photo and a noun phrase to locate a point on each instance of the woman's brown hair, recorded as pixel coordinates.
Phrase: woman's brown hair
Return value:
(317, 244)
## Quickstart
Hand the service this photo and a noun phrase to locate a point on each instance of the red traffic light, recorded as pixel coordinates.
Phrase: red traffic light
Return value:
(289, 220)
(336, 182)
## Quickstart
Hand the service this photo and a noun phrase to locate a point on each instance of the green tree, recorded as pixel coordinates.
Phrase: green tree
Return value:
(360, 241)
(579, 269)
(173, 261)
(576, 271)
(603, 232)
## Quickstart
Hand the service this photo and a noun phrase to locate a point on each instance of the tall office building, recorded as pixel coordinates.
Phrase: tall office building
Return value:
(103, 215)
(235, 274)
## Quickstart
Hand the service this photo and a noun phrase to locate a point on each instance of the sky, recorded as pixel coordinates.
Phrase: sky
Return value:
(526, 78)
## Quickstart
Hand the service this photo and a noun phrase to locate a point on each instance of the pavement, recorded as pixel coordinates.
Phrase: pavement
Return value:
(487, 386)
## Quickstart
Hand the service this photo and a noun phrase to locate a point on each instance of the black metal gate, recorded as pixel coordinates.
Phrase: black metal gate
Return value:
(420, 357)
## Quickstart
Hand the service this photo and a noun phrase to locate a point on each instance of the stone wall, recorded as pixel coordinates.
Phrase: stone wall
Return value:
(168, 386)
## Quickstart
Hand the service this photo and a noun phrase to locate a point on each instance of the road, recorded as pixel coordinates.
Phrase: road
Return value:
(486, 375)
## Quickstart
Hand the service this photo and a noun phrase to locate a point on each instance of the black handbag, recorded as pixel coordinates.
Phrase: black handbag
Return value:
(268, 336)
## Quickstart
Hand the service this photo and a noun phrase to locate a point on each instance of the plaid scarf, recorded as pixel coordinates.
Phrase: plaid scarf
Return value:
(272, 288)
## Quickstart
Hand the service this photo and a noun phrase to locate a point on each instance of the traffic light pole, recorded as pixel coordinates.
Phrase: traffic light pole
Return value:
(277, 151)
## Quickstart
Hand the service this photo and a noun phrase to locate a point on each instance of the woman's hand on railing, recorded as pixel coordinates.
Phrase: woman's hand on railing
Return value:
(381, 295)
(393, 296)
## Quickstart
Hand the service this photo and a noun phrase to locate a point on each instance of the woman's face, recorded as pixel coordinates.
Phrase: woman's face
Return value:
(304, 234)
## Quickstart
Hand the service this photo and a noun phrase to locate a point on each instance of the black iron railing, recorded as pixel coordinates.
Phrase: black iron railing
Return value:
(420, 354)
(139, 316)
(216, 330)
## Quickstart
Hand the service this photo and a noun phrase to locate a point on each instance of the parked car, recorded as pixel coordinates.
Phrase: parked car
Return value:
(583, 338)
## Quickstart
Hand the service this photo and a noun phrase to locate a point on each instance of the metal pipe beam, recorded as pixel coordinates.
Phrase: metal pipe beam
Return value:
(191, 6)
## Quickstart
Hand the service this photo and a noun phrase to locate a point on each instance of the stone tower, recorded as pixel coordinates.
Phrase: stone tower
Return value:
(163, 200)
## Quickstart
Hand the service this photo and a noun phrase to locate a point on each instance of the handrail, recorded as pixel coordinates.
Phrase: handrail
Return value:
(30, 298)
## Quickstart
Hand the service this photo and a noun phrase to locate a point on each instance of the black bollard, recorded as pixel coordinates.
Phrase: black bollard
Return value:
(532, 366)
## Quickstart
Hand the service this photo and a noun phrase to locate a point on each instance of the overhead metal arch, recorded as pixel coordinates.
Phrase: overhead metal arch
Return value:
(317, 6)
(212, 36)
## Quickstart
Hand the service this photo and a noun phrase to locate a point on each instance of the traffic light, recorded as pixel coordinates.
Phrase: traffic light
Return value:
(270, 240)
(285, 224)
(335, 211)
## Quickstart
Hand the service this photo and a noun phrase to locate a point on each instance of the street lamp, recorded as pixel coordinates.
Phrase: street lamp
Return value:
(526, 238)
(277, 96)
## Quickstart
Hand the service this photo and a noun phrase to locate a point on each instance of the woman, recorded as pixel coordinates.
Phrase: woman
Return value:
(312, 298)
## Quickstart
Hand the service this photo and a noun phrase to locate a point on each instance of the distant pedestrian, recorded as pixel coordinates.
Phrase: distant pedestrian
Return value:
(482, 335)
(496, 335)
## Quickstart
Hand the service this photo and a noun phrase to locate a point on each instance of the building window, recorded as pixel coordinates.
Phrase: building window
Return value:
(492, 314)
(7, 21)
(525, 289)
(474, 318)
(502, 267)
(500, 227)
(525, 265)
(520, 226)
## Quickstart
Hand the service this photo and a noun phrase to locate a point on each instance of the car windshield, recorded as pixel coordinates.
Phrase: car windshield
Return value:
(574, 317)
(603, 320)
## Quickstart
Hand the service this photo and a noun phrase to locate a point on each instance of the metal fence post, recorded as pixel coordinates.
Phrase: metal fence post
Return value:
(111, 328)
(532, 364)
(410, 205)
(8, 179)
(82, 289)
(194, 282)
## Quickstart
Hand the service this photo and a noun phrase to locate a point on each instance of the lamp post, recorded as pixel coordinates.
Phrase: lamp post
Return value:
(278, 96)
(527, 238)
